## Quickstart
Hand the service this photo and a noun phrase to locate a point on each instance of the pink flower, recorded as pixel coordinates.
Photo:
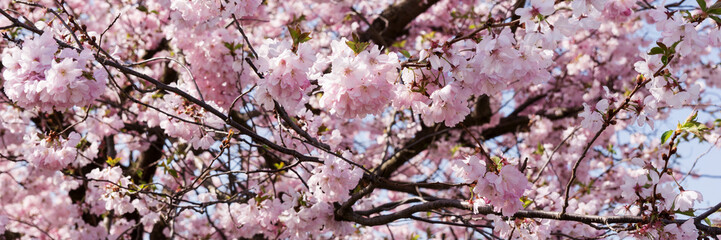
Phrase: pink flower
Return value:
(510, 186)
(592, 120)
(470, 168)
(687, 230)
(449, 105)
(53, 154)
(582, 7)
(358, 84)
(618, 10)
(511, 182)
(333, 180)
(684, 201)
(288, 81)
(649, 109)
(112, 192)
(537, 7)
(35, 77)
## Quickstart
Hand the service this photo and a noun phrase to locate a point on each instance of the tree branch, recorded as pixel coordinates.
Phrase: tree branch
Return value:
(392, 21)
(485, 210)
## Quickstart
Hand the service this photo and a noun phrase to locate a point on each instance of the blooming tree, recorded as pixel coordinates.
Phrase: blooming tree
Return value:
(308, 119)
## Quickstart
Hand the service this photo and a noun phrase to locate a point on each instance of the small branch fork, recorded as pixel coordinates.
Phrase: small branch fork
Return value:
(607, 122)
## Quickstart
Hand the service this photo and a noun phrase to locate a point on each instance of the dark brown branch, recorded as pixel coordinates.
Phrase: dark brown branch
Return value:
(704, 215)
(425, 137)
(284, 115)
(393, 20)
(537, 214)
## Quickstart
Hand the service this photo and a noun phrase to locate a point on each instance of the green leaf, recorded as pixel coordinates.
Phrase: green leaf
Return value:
(663, 46)
(356, 46)
(294, 32)
(673, 47)
(665, 136)
(497, 161)
(694, 116)
(610, 149)
(526, 201)
(142, 8)
(297, 20)
(702, 4)
(716, 19)
(83, 144)
(400, 44)
(229, 46)
(696, 128)
(304, 37)
(455, 149)
(173, 173)
(687, 213)
(655, 50)
(715, 11)
(279, 165)
(298, 36)
(406, 53)
(539, 149)
(260, 198)
(112, 161)
(664, 59)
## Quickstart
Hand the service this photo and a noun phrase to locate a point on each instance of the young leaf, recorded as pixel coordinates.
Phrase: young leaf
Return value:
(406, 53)
(663, 46)
(666, 135)
(142, 8)
(715, 11)
(304, 37)
(716, 19)
(173, 173)
(672, 50)
(356, 46)
(539, 149)
(687, 213)
(294, 32)
(279, 165)
(655, 50)
(702, 4)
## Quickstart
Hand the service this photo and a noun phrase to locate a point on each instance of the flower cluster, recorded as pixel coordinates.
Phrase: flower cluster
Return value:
(536, 11)
(593, 117)
(495, 65)
(502, 190)
(53, 152)
(38, 77)
(334, 179)
(288, 81)
(110, 188)
(204, 12)
(359, 84)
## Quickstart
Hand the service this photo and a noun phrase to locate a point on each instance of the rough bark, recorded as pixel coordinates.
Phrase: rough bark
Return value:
(392, 22)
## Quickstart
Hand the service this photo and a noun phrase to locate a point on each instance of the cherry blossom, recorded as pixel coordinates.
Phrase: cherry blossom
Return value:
(310, 119)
